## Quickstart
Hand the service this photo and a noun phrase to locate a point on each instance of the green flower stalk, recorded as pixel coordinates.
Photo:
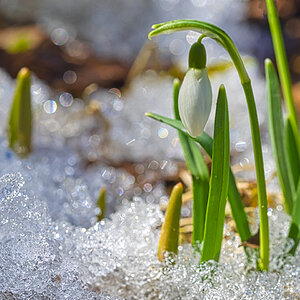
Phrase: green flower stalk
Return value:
(195, 95)
(20, 119)
(200, 175)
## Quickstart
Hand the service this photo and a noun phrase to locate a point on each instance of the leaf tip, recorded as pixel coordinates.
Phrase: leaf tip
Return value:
(178, 187)
(24, 72)
(268, 62)
(176, 82)
(222, 87)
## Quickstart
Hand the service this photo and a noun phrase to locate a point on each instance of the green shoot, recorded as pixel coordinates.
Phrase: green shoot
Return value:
(200, 176)
(19, 44)
(168, 242)
(20, 119)
(215, 215)
(101, 203)
(276, 129)
(234, 197)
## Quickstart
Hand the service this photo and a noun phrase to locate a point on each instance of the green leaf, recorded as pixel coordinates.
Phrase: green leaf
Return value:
(200, 175)
(295, 223)
(292, 128)
(20, 119)
(276, 129)
(292, 151)
(101, 203)
(218, 189)
(234, 197)
(169, 235)
(283, 66)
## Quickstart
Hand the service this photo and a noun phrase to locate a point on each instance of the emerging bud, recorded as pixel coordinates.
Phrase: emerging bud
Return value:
(194, 101)
(20, 119)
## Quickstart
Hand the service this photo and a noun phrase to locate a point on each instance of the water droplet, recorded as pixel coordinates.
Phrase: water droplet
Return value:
(118, 105)
(59, 36)
(115, 92)
(36, 89)
(147, 187)
(66, 99)
(153, 165)
(70, 77)
(163, 164)
(192, 37)
(163, 132)
(139, 168)
(244, 161)
(177, 47)
(120, 191)
(130, 142)
(50, 106)
(240, 146)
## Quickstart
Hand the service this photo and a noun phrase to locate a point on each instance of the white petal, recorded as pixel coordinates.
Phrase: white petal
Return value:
(195, 100)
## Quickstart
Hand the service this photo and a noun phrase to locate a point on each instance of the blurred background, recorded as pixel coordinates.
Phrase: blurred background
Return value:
(71, 44)
(96, 73)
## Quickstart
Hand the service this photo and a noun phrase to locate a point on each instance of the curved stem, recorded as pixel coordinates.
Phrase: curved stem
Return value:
(222, 38)
(260, 177)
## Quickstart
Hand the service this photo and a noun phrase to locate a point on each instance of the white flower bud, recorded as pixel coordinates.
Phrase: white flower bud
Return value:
(195, 99)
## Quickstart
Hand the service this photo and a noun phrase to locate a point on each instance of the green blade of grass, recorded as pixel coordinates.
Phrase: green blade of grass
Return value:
(200, 175)
(234, 197)
(276, 129)
(295, 223)
(293, 138)
(292, 152)
(169, 235)
(101, 203)
(20, 119)
(281, 59)
(218, 189)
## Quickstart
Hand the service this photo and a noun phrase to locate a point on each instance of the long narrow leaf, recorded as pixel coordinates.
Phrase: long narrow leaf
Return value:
(282, 62)
(295, 223)
(200, 175)
(218, 189)
(234, 197)
(293, 136)
(276, 129)
(292, 151)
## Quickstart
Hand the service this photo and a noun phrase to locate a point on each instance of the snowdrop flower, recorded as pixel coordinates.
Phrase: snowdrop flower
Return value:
(195, 95)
